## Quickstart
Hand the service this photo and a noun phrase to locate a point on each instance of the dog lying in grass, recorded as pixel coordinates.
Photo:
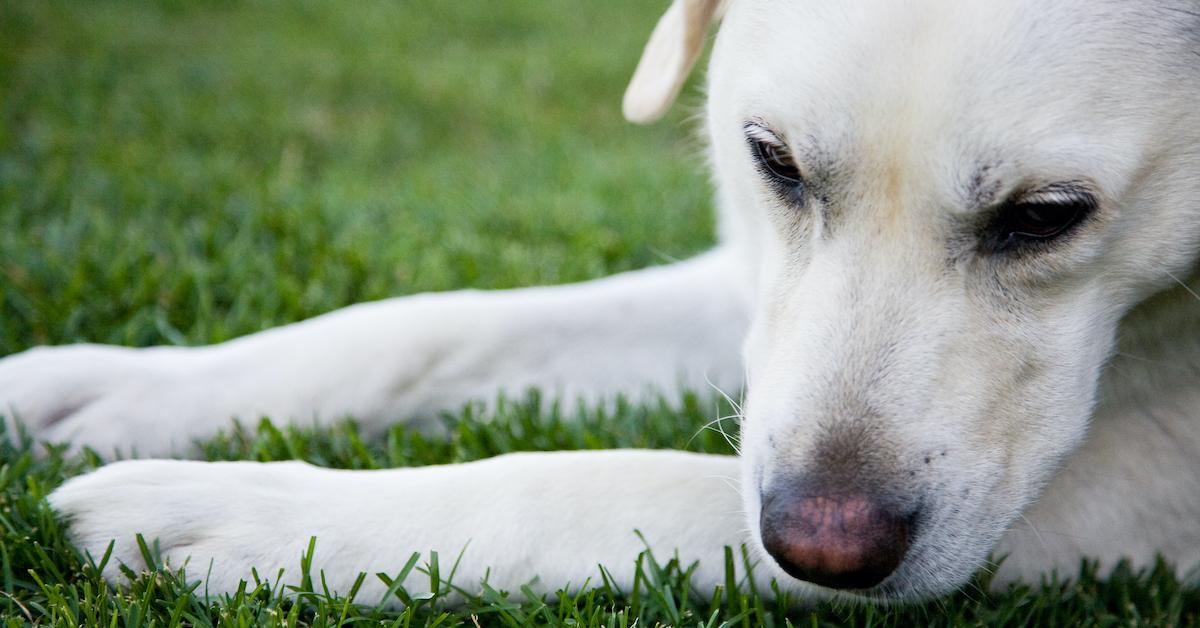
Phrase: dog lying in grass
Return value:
(957, 275)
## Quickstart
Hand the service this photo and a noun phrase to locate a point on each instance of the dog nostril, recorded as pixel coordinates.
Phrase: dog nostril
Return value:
(840, 541)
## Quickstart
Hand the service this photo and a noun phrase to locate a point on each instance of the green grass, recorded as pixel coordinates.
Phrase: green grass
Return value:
(187, 172)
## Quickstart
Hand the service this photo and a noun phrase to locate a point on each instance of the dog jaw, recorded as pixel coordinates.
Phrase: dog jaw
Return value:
(889, 354)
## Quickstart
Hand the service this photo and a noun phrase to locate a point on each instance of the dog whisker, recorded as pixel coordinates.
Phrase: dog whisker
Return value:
(732, 441)
(737, 407)
(1185, 286)
(731, 482)
(1036, 533)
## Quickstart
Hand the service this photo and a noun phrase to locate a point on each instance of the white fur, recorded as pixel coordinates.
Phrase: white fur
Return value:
(503, 517)
(407, 358)
(978, 377)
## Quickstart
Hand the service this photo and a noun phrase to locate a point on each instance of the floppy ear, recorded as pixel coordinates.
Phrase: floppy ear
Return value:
(673, 48)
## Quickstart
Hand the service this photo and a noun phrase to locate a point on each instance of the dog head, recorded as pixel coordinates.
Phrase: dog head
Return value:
(950, 206)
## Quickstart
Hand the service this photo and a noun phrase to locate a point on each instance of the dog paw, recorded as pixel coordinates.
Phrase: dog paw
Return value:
(107, 398)
(214, 521)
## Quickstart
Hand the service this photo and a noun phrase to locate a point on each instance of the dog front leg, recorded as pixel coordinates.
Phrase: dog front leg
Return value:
(551, 516)
(648, 331)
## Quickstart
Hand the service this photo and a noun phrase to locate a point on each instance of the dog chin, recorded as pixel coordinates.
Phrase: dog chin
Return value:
(907, 587)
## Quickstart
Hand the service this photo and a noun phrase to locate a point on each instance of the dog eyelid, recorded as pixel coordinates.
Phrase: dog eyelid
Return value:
(756, 130)
(1080, 192)
(1065, 193)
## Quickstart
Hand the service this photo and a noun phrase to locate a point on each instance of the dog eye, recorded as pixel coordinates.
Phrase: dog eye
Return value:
(1042, 220)
(777, 162)
(1038, 218)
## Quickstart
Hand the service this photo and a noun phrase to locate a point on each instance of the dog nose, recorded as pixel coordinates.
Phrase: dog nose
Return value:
(840, 541)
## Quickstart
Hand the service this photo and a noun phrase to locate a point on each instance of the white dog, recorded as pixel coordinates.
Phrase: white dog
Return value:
(957, 243)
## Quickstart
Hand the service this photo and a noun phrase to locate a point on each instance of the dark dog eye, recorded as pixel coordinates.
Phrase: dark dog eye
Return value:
(1042, 220)
(776, 161)
(1039, 218)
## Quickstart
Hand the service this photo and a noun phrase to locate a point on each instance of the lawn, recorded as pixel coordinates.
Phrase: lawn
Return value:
(187, 172)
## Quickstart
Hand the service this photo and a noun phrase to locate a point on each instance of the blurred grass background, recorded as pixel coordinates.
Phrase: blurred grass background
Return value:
(184, 172)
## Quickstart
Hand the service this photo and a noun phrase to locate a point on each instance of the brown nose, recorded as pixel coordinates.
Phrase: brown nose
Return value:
(840, 541)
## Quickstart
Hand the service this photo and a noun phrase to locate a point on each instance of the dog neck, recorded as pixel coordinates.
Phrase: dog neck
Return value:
(1157, 360)
(1137, 475)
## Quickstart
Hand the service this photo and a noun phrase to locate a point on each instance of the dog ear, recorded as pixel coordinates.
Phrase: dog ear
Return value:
(673, 48)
